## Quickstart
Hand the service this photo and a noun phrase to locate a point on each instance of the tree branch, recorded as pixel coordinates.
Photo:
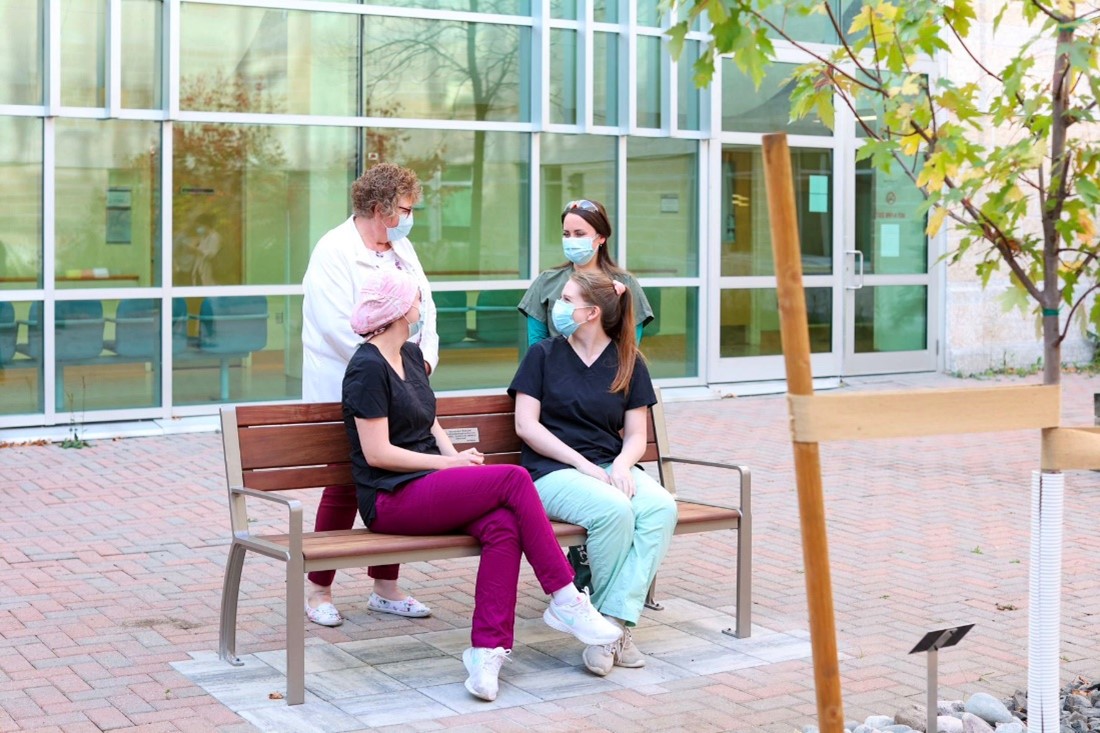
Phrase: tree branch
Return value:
(1069, 316)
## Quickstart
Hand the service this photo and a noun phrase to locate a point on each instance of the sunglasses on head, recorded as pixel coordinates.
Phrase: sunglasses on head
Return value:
(582, 204)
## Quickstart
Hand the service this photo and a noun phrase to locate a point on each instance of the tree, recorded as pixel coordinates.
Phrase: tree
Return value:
(1011, 158)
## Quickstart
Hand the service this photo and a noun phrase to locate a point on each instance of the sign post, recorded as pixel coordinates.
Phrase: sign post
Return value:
(932, 642)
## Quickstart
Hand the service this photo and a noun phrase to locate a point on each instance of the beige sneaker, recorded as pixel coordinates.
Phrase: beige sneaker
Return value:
(599, 658)
(625, 653)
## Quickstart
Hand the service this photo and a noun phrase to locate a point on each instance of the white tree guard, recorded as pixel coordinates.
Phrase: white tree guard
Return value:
(1045, 602)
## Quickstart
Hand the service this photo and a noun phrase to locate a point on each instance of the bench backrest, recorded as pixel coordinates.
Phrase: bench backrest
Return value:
(301, 446)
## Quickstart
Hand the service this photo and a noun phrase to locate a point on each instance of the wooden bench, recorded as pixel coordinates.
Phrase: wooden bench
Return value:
(274, 448)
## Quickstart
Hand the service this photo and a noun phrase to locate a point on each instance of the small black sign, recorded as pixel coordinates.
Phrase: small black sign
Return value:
(941, 639)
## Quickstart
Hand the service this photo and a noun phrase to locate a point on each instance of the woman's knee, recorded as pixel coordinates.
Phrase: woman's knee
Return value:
(613, 513)
(500, 526)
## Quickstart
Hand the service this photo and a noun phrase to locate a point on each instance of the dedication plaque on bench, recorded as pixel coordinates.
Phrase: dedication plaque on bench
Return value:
(463, 435)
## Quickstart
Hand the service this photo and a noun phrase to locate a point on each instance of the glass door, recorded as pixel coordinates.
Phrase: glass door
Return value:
(888, 287)
(744, 299)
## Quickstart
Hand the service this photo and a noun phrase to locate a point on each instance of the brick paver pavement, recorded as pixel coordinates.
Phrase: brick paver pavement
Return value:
(111, 564)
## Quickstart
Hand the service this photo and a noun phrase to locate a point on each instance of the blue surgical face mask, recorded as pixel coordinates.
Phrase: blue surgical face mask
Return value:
(562, 315)
(404, 226)
(415, 327)
(578, 250)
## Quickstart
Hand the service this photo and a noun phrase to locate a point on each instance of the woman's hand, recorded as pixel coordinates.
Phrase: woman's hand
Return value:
(591, 469)
(468, 457)
(621, 479)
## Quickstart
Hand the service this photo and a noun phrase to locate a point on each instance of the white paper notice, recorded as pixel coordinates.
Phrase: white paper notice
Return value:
(889, 241)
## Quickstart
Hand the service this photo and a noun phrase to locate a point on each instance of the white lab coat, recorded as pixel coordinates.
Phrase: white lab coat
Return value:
(332, 283)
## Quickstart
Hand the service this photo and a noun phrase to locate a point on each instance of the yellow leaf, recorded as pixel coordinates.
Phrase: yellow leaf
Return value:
(1065, 7)
(910, 144)
(935, 221)
(1088, 227)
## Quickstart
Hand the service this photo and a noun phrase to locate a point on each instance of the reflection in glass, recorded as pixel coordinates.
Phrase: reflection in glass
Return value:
(21, 194)
(563, 76)
(891, 318)
(605, 11)
(481, 338)
(20, 375)
(749, 322)
(473, 220)
(767, 108)
(108, 213)
(22, 52)
(670, 341)
(564, 9)
(746, 238)
(574, 167)
(687, 107)
(648, 14)
(502, 7)
(605, 82)
(889, 232)
(446, 70)
(237, 349)
(238, 59)
(649, 81)
(250, 201)
(662, 213)
(141, 54)
(816, 27)
(84, 53)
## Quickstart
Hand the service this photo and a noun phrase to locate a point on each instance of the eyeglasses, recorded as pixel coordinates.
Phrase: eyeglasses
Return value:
(582, 204)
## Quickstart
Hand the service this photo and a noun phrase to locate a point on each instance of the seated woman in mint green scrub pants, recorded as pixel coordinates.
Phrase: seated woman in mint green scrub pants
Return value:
(581, 400)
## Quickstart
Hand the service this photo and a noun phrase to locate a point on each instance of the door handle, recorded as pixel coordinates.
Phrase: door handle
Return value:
(859, 259)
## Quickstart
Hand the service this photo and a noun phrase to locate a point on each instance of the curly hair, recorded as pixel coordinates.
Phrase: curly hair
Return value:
(380, 187)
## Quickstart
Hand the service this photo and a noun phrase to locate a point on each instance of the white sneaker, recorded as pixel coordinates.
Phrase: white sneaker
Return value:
(483, 664)
(580, 619)
(599, 659)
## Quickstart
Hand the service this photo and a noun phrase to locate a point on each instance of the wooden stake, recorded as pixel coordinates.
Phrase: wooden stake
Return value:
(795, 335)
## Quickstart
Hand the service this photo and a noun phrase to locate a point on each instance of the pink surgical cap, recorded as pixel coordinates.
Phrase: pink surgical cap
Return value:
(386, 295)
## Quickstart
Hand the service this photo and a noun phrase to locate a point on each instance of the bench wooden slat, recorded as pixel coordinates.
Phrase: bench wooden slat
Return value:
(483, 405)
(319, 412)
(292, 445)
(334, 474)
(488, 433)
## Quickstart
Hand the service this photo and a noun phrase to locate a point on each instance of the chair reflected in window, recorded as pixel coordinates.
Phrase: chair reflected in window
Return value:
(232, 328)
(450, 315)
(9, 331)
(78, 337)
(498, 321)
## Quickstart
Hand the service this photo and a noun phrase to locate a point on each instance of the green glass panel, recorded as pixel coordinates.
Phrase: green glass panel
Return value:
(889, 232)
(497, 7)
(605, 11)
(107, 354)
(815, 27)
(662, 215)
(250, 201)
(563, 76)
(473, 220)
(20, 375)
(21, 193)
(649, 81)
(767, 108)
(21, 56)
(746, 238)
(891, 318)
(671, 340)
(142, 31)
(605, 84)
(648, 13)
(574, 167)
(687, 107)
(446, 70)
(237, 349)
(749, 322)
(84, 53)
(481, 338)
(564, 9)
(238, 59)
(108, 209)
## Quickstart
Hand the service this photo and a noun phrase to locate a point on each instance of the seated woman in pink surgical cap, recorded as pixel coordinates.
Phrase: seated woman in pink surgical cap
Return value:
(410, 480)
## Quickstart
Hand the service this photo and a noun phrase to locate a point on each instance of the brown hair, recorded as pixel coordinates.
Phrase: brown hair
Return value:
(601, 222)
(616, 318)
(379, 188)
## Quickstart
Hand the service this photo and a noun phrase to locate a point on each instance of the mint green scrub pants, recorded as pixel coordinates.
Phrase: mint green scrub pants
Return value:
(627, 538)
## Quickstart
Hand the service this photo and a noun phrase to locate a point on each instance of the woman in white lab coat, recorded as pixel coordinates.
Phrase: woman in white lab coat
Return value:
(374, 237)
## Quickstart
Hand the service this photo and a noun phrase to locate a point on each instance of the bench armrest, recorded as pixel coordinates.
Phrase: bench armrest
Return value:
(294, 522)
(745, 473)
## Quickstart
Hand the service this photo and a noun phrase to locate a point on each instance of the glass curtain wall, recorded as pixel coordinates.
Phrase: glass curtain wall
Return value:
(151, 263)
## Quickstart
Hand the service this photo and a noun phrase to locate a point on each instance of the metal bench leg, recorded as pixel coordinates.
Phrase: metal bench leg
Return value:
(295, 632)
(231, 586)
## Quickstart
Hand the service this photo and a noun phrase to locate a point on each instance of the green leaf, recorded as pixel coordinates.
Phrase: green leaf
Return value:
(676, 39)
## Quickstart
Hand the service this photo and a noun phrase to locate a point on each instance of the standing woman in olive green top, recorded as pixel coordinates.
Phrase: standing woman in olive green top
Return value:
(585, 231)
